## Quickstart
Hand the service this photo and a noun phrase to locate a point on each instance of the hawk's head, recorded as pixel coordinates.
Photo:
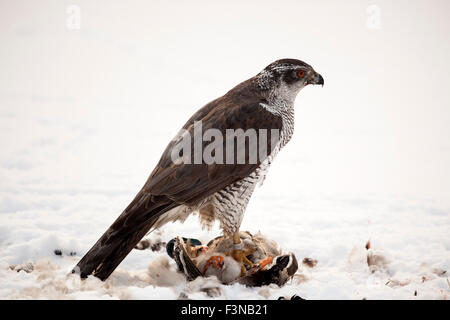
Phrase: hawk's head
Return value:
(286, 77)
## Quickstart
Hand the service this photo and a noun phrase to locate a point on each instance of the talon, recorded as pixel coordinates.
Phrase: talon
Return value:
(241, 257)
(247, 262)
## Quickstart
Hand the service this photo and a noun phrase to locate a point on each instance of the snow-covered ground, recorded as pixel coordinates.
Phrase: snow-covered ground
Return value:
(85, 115)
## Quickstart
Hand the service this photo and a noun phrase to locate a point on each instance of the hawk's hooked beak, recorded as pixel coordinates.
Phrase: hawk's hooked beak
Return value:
(318, 79)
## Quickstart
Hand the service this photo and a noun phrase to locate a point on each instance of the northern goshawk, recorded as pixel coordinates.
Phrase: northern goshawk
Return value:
(264, 105)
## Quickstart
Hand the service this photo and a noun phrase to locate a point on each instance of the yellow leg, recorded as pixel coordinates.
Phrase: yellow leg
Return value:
(239, 254)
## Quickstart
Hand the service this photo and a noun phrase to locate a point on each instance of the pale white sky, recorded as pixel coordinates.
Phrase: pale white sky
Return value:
(80, 107)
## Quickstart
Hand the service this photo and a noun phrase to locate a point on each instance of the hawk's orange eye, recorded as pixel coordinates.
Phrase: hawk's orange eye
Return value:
(300, 73)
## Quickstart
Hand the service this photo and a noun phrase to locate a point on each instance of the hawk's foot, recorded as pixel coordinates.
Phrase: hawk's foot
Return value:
(240, 256)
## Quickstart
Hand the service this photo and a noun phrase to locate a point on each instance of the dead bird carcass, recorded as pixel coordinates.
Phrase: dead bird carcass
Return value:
(266, 263)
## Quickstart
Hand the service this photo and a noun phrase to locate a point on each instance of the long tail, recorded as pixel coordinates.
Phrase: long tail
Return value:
(123, 235)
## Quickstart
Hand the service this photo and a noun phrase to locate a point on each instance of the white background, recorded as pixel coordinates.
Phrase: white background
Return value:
(85, 114)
